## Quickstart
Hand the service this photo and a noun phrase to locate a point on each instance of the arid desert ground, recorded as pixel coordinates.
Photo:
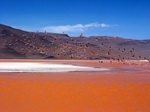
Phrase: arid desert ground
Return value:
(124, 87)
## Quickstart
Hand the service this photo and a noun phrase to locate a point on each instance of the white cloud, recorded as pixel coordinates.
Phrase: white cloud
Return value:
(75, 28)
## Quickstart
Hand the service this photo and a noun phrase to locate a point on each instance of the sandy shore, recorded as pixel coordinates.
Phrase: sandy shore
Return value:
(125, 88)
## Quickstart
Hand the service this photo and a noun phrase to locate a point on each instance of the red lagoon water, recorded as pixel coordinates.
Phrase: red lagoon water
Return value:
(115, 91)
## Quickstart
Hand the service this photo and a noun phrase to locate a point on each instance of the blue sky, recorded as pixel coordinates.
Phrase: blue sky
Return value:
(124, 18)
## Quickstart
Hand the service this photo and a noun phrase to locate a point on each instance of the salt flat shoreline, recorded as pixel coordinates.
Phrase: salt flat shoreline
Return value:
(44, 67)
(89, 63)
(40, 66)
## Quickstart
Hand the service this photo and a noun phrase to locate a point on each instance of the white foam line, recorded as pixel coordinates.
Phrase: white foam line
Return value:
(43, 67)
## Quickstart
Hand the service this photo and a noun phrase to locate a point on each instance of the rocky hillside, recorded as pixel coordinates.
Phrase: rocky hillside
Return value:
(16, 44)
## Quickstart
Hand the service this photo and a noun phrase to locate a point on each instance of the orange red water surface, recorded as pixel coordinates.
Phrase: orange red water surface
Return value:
(125, 88)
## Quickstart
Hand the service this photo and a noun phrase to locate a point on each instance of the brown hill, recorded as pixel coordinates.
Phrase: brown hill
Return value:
(15, 43)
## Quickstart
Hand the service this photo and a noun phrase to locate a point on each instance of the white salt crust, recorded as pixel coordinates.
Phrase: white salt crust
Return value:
(44, 67)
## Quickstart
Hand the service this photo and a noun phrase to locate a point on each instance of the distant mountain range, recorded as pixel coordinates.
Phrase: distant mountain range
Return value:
(19, 44)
